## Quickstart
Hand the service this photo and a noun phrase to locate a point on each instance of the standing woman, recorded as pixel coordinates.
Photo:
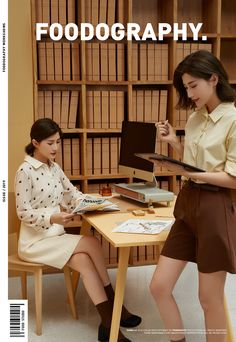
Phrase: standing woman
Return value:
(41, 189)
(204, 231)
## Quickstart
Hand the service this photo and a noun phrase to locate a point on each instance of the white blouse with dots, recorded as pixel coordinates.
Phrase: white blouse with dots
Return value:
(40, 191)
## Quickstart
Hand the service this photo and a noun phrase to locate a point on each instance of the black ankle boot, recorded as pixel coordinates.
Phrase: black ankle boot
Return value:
(131, 322)
(104, 334)
(128, 320)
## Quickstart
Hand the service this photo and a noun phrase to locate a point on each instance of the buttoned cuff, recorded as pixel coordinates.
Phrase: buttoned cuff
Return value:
(47, 221)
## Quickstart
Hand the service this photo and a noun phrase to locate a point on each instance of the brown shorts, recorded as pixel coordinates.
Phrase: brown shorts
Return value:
(205, 228)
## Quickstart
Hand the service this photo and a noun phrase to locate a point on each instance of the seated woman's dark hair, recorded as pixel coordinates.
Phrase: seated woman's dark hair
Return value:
(40, 130)
(202, 64)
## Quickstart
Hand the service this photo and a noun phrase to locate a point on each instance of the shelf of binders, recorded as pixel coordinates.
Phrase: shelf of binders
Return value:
(83, 85)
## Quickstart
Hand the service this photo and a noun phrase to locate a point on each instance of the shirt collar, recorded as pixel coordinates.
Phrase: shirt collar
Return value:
(218, 112)
(35, 162)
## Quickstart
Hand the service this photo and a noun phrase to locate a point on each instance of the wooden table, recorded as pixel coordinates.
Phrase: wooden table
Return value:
(104, 223)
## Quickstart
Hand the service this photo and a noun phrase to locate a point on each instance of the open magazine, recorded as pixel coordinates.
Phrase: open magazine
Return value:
(89, 203)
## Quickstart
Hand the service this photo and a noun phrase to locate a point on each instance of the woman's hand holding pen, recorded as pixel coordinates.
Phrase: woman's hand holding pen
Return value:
(166, 132)
(61, 218)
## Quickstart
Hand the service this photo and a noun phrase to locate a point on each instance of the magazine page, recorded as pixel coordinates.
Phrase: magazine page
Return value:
(143, 226)
(91, 203)
(71, 72)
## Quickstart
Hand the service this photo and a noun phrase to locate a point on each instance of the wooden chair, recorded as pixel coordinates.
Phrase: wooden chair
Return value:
(16, 264)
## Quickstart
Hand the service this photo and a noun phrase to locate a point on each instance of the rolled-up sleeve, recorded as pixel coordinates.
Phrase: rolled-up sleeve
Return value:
(230, 164)
(31, 217)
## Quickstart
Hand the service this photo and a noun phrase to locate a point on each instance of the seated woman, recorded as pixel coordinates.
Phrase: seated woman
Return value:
(41, 189)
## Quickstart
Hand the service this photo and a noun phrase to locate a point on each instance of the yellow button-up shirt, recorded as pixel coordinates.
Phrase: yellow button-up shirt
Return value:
(210, 139)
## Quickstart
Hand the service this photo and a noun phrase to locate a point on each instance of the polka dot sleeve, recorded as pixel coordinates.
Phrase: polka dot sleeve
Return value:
(30, 216)
(70, 194)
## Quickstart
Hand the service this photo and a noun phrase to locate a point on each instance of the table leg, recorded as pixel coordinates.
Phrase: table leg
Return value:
(85, 227)
(119, 293)
(230, 334)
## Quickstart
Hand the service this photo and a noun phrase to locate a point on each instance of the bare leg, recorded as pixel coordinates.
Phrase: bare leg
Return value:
(82, 263)
(91, 246)
(211, 296)
(164, 279)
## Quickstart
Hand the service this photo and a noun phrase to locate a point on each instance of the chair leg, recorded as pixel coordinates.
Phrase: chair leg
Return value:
(24, 285)
(70, 292)
(38, 300)
(229, 336)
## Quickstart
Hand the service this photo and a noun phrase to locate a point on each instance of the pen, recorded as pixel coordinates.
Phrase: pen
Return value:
(144, 226)
(165, 123)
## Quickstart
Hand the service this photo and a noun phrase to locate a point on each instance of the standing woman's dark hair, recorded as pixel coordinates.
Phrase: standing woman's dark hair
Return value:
(202, 64)
(42, 129)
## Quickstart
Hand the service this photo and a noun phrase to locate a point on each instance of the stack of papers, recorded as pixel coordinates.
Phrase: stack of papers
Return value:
(138, 226)
(89, 203)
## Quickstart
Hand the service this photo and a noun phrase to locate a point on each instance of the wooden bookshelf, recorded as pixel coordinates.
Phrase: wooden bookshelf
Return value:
(89, 87)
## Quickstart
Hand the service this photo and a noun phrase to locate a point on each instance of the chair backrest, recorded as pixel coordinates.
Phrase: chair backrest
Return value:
(13, 224)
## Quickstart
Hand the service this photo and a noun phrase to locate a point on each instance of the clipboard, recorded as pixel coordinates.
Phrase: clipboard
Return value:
(160, 157)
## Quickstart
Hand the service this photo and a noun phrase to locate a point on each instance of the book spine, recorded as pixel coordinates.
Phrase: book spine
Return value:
(62, 12)
(67, 156)
(112, 108)
(66, 61)
(104, 61)
(120, 62)
(54, 12)
(94, 12)
(74, 100)
(97, 156)
(148, 106)
(111, 62)
(89, 109)
(58, 61)
(89, 62)
(48, 104)
(65, 108)
(97, 109)
(40, 111)
(143, 62)
(151, 62)
(105, 156)
(42, 72)
(105, 109)
(75, 156)
(135, 62)
(50, 61)
(89, 155)
(75, 58)
(120, 108)
(95, 62)
(56, 104)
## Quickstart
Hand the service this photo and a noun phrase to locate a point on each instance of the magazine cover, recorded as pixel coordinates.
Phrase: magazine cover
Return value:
(4, 170)
(71, 72)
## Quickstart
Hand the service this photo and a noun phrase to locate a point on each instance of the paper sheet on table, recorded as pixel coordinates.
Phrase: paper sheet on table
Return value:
(138, 226)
